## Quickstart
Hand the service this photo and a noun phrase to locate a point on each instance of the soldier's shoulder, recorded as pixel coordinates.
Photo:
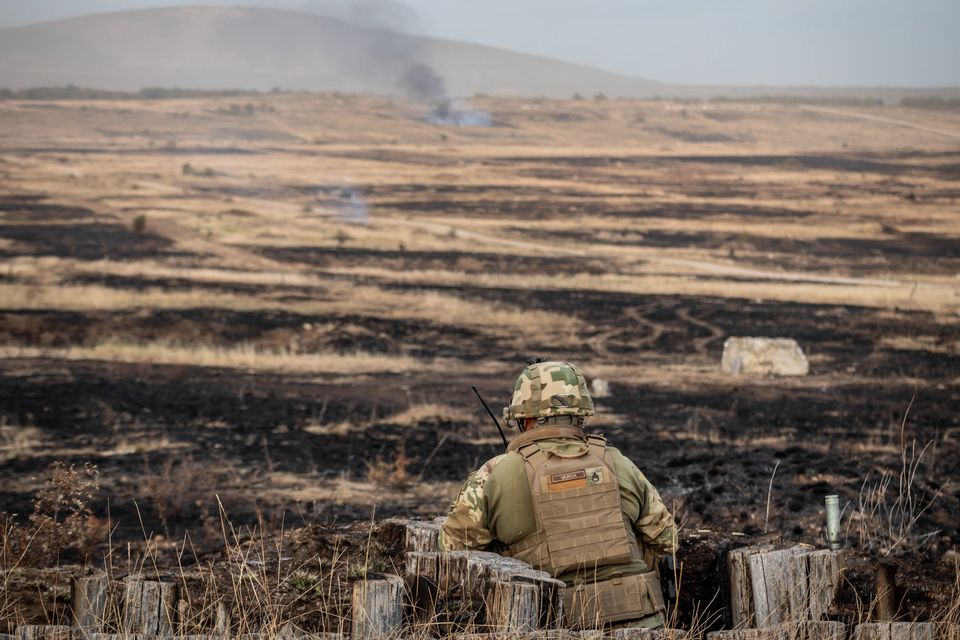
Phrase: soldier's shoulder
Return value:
(504, 463)
(480, 476)
(621, 460)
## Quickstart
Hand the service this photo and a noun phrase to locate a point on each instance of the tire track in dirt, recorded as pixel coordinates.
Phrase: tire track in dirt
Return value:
(600, 342)
(700, 343)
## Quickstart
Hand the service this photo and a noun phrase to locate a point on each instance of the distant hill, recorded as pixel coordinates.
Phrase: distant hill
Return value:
(259, 48)
(256, 48)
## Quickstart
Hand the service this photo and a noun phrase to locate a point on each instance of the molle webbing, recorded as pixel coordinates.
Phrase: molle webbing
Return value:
(544, 432)
(589, 606)
(576, 502)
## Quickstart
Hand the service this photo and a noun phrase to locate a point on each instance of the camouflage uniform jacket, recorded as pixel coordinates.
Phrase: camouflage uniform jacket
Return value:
(494, 509)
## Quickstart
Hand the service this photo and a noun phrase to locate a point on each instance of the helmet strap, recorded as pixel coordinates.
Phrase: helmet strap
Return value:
(573, 421)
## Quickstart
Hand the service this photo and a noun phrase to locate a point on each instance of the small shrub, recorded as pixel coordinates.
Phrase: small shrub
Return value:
(61, 519)
(391, 474)
(140, 223)
(177, 489)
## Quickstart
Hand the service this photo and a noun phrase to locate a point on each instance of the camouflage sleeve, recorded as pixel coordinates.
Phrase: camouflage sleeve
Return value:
(466, 524)
(654, 523)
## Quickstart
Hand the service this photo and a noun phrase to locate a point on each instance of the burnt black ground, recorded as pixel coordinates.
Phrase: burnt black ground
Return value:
(711, 447)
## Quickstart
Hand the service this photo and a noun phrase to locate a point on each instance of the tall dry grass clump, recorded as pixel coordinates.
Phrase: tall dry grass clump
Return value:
(887, 517)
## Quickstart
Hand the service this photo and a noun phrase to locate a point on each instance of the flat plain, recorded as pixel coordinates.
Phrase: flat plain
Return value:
(277, 304)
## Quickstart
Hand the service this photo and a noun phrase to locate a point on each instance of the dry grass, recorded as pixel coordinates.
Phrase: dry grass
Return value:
(98, 298)
(430, 412)
(432, 306)
(241, 357)
(888, 514)
(17, 440)
(919, 343)
(942, 297)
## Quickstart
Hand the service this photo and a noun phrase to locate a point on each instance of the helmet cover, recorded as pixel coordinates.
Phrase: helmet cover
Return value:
(548, 389)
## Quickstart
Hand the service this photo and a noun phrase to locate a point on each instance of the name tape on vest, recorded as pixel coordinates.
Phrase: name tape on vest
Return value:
(576, 479)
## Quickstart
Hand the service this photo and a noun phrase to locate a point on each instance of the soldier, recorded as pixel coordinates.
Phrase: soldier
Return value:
(567, 503)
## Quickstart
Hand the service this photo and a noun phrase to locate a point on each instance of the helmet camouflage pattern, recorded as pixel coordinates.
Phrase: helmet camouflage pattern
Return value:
(547, 389)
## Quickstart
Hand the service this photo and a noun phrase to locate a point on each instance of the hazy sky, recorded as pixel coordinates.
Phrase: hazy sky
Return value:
(797, 42)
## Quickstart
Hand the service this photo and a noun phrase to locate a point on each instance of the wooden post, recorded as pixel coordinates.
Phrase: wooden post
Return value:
(222, 621)
(551, 601)
(885, 601)
(452, 571)
(767, 633)
(43, 632)
(741, 592)
(895, 631)
(513, 607)
(815, 630)
(649, 634)
(377, 607)
(88, 602)
(779, 587)
(824, 569)
(423, 564)
(149, 607)
(769, 587)
(422, 536)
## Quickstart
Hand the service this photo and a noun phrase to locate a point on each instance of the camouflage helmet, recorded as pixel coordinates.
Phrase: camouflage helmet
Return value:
(547, 389)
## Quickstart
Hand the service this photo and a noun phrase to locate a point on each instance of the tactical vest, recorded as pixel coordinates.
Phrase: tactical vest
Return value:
(581, 526)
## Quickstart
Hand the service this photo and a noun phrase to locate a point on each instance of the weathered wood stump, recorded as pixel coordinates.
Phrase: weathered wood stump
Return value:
(780, 592)
(803, 630)
(824, 570)
(816, 630)
(43, 632)
(426, 565)
(378, 607)
(770, 633)
(769, 587)
(513, 607)
(741, 589)
(90, 602)
(149, 607)
(885, 598)
(649, 634)
(222, 620)
(472, 577)
(895, 631)
(422, 536)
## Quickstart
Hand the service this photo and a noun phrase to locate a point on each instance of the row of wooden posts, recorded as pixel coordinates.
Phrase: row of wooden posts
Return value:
(774, 594)
(807, 630)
